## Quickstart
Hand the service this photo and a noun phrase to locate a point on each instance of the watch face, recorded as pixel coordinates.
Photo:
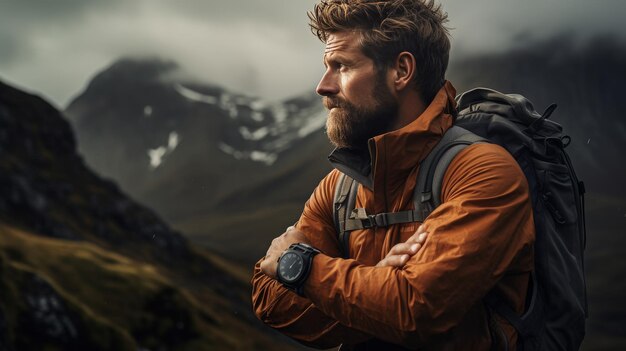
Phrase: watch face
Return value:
(290, 267)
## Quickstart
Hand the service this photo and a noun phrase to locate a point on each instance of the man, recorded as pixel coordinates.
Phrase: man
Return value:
(389, 105)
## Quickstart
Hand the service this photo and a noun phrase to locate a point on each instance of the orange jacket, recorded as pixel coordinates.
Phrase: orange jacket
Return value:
(480, 239)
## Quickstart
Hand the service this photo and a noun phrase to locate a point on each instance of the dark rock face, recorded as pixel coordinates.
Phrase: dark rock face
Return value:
(4, 341)
(48, 317)
(45, 185)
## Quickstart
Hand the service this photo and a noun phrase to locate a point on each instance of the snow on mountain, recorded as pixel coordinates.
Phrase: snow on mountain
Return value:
(194, 95)
(262, 140)
(157, 155)
(255, 135)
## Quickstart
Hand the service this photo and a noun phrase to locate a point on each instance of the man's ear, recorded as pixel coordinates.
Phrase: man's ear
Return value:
(404, 70)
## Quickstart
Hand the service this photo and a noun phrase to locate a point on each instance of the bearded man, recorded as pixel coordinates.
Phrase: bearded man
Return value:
(411, 285)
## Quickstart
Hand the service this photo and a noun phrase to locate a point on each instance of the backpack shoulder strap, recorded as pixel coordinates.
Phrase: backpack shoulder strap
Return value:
(427, 193)
(343, 204)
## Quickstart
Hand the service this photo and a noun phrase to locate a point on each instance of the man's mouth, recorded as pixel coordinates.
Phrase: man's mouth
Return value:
(330, 104)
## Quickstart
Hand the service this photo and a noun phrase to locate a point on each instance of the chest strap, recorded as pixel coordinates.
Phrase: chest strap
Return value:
(426, 195)
(359, 219)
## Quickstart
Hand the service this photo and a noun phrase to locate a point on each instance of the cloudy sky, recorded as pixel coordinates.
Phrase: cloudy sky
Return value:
(262, 48)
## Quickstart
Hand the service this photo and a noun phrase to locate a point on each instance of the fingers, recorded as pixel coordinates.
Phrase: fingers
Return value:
(419, 236)
(399, 254)
(409, 248)
(416, 239)
(412, 245)
(393, 261)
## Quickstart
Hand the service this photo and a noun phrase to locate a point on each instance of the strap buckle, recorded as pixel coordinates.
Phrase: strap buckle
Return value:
(373, 221)
(369, 221)
(380, 220)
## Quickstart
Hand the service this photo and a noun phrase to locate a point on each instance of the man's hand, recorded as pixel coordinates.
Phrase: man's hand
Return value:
(399, 255)
(280, 244)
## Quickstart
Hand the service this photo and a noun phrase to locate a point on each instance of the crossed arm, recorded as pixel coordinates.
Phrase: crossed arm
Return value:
(312, 327)
(397, 256)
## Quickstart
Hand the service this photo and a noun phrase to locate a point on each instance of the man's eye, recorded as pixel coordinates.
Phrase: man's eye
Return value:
(338, 66)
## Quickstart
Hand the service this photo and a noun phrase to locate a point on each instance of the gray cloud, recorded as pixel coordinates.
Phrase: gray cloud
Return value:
(272, 11)
(496, 25)
(257, 47)
(10, 47)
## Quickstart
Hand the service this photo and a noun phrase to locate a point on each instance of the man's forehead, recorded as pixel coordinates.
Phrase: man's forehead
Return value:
(341, 42)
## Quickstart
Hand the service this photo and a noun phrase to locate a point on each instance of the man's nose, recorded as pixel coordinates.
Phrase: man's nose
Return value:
(328, 84)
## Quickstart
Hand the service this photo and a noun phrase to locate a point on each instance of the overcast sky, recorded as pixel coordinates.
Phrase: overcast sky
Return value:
(263, 48)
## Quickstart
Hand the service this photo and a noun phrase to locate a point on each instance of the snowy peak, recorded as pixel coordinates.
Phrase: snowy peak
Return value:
(145, 108)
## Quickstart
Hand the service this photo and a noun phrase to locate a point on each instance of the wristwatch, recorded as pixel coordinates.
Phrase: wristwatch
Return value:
(294, 266)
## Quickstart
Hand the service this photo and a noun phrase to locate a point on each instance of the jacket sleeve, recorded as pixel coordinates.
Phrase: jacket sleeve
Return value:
(286, 311)
(484, 225)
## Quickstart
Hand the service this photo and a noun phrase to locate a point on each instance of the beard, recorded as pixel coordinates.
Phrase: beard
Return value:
(350, 126)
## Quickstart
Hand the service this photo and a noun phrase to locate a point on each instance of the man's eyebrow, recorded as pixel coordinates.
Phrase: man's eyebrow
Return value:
(335, 57)
(326, 59)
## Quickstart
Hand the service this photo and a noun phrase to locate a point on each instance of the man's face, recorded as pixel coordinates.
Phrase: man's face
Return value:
(360, 102)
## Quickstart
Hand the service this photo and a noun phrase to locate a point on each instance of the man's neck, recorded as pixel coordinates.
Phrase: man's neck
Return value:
(410, 107)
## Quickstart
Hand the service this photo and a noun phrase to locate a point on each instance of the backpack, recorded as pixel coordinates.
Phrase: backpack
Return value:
(556, 305)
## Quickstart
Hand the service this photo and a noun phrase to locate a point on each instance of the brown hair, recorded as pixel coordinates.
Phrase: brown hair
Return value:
(390, 27)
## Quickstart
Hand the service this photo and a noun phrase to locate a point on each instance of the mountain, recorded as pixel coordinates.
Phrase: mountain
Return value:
(206, 159)
(83, 266)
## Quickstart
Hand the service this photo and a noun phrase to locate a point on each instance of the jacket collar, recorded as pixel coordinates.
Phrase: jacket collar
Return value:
(391, 156)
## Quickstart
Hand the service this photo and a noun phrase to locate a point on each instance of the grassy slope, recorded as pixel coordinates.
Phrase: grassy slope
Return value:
(121, 301)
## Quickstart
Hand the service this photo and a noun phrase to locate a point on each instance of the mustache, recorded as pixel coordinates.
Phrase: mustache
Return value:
(332, 102)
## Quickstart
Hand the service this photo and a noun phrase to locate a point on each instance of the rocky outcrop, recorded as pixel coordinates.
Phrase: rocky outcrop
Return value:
(46, 187)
